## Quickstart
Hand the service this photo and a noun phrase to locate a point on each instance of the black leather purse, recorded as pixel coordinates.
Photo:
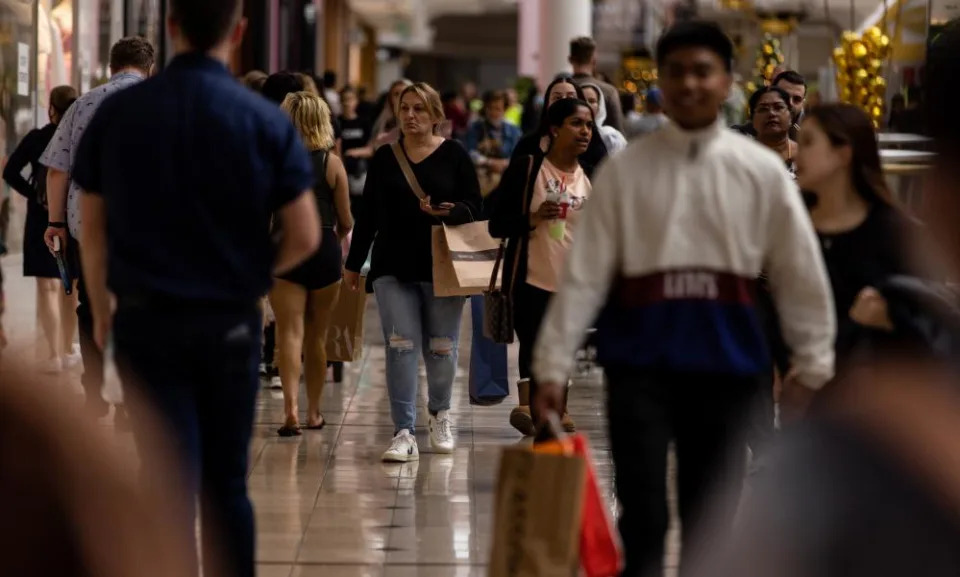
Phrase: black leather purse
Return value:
(498, 302)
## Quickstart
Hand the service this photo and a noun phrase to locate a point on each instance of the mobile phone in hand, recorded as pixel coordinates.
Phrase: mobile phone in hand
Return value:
(62, 266)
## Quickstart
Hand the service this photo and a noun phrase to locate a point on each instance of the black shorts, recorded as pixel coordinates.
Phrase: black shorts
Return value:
(322, 269)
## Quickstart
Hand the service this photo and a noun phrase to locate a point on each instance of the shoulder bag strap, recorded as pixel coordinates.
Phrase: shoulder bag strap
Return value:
(526, 213)
(407, 170)
(503, 243)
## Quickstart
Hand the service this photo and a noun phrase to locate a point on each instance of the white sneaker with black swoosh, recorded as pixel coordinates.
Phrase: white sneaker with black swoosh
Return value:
(403, 449)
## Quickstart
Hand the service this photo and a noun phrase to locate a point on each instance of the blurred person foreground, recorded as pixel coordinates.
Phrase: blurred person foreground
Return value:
(72, 497)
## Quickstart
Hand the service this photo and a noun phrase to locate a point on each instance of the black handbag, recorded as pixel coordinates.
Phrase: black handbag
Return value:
(498, 302)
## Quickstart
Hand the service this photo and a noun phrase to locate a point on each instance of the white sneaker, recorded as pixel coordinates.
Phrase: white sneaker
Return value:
(276, 383)
(402, 449)
(51, 366)
(441, 433)
(73, 359)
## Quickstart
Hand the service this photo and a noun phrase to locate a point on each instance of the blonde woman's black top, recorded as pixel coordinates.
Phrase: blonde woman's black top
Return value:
(391, 221)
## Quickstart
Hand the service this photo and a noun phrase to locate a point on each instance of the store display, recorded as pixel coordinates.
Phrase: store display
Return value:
(769, 57)
(859, 62)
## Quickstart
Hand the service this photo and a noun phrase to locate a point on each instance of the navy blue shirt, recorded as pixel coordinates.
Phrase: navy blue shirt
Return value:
(191, 166)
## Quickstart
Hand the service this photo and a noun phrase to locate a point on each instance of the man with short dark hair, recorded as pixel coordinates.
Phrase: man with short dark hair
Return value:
(583, 59)
(795, 85)
(666, 262)
(181, 175)
(131, 60)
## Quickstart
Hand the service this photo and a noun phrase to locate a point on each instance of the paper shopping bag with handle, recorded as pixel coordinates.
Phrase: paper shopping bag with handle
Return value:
(345, 335)
(537, 511)
(599, 542)
(463, 259)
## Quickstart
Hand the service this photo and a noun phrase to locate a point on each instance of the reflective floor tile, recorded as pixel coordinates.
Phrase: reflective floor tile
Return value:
(327, 507)
(271, 570)
(338, 571)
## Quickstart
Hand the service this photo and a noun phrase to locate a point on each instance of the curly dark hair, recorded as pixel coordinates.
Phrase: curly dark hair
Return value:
(132, 52)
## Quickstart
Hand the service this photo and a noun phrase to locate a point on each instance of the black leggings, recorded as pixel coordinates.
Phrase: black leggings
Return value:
(529, 308)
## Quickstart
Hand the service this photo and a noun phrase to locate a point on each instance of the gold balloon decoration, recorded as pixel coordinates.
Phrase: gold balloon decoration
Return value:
(769, 56)
(859, 68)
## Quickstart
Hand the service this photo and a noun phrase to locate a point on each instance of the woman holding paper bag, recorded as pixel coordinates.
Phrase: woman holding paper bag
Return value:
(538, 214)
(421, 182)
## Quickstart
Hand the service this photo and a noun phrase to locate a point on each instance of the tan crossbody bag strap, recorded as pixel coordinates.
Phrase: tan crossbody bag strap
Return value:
(407, 170)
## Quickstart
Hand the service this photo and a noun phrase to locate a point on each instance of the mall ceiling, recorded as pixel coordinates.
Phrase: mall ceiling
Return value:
(409, 21)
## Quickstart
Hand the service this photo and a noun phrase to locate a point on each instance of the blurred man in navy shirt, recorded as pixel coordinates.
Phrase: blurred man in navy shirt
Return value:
(181, 175)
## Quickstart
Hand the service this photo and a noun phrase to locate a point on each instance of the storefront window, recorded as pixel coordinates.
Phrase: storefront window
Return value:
(144, 19)
(102, 27)
(17, 53)
(55, 50)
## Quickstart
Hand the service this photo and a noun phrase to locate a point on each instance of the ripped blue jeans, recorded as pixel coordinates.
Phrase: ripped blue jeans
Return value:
(416, 323)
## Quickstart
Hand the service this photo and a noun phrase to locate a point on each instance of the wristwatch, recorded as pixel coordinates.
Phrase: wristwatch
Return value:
(57, 225)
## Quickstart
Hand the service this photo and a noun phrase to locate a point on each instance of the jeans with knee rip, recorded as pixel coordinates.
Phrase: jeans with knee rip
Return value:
(416, 323)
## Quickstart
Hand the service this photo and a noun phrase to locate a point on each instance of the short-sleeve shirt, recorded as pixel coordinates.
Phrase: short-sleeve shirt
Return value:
(548, 253)
(61, 153)
(191, 166)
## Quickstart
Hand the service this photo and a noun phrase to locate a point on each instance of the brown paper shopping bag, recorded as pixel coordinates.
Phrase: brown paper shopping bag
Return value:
(537, 512)
(345, 336)
(463, 259)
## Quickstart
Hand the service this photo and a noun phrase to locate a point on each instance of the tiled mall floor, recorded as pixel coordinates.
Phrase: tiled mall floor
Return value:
(326, 505)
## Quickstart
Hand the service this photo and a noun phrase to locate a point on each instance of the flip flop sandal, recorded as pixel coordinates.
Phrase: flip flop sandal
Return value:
(288, 431)
(319, 427)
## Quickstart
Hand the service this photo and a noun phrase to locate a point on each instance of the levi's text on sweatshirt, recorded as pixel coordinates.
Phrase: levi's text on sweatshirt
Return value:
(666, 260)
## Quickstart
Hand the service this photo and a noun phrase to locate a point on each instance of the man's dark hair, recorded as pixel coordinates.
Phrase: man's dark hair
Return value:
(279, 85)
(205, 23)
(582, 50)
(492, 96)
(696, 34)
(62, 98)
(791, 76)
(329, 79)
(132, 52)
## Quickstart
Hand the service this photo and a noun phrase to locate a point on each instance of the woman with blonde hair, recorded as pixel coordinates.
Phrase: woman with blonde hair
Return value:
(397, 224)
(303, 299)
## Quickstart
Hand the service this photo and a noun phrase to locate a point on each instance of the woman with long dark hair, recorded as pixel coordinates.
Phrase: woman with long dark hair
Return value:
(55, 309)
(864, 236)
(536, 142)
(527, 212)
(536, 145)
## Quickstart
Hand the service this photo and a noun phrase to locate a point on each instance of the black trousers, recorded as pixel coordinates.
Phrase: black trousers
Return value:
(195, 367)
(92, 379)
(704, 415)
(529, 308)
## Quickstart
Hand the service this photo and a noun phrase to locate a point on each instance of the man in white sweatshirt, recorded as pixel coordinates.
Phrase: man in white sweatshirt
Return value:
(680, 225)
